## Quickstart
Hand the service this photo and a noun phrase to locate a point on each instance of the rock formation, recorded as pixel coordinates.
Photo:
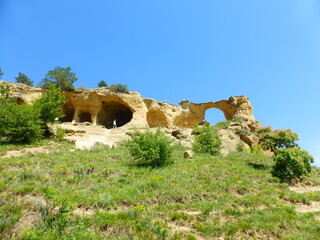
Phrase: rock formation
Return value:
(103, 105)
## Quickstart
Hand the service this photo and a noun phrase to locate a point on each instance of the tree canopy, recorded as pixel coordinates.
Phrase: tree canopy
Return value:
(22, 78)
(1, 73)
(102, 83)
(60, 77)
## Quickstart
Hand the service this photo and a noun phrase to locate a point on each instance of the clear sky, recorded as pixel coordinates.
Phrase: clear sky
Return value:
(169, 50)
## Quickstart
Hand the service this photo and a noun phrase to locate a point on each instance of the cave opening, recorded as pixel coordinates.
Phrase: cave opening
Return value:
(113, 110)
(68, 110)
(156, 118)
(20, 101)
(85, 117)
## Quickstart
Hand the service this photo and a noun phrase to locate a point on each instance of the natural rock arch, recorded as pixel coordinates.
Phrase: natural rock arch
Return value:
(112, 110)
(156, 118)
(214, 116)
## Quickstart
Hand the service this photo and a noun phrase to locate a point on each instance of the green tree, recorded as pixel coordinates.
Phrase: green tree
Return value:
(50, 104)
(150, 149)
(4, 94)
(207, 141)
(102, 83)
(60, 77)
(22, 78)
(20, 123)
(273, 140)
(1, 73)
(291, 163)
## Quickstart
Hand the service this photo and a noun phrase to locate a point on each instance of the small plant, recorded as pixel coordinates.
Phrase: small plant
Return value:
(120, 87)
(207, 141)
(292, 163)
(150, 149)
(256, 148)
(60, 134)
(243, 132)
(240, 147)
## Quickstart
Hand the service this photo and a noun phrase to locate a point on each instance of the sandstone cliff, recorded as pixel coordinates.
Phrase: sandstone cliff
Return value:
(102, 105)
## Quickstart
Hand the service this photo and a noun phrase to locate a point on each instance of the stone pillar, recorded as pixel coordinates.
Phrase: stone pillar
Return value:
(76, 115)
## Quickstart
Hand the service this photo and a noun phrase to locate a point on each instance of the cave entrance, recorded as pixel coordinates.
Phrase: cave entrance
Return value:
(113, 110)
(20, 101)
(214, 116)
(84, 117)
(156, 118)
(68, 110)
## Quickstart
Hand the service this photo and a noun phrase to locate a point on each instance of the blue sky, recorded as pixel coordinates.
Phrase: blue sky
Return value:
(169, 50)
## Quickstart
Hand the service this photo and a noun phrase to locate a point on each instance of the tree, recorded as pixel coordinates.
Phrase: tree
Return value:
(1, 73)
(273, 140)
(150, 149)
(22, 78)
(291, 163)
(102, 83)
(50, 104)
(4, 94)
(18, 123)
(60, 77)
(207, 141)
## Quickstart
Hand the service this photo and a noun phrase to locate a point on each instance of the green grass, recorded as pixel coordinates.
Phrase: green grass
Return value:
(233, 197)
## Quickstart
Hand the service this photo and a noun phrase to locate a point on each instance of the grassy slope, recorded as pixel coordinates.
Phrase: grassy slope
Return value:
(233, 197)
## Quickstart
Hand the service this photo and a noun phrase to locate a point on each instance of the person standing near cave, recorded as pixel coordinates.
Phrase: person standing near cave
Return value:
(114, 123)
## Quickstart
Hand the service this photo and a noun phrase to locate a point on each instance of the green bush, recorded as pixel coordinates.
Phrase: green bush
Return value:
(273, 140)
(256, 149)
(20, 123)
(50, 104)
(150, 149)
(207, 141)
(291, 163)
(120, 87)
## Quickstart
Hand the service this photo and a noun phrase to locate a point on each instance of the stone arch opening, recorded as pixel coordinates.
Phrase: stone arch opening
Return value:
(214, 116)
(85, 117)
(113, 110)
(68, 110)
(156, 118)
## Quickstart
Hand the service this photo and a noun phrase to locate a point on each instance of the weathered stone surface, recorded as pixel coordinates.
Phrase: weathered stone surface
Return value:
(188, 154)
(103, 105)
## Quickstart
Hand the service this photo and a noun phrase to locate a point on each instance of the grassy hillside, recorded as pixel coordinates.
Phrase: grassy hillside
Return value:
(98, 194)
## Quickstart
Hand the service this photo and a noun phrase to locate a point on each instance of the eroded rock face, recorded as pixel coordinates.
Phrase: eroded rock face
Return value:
(103, 105)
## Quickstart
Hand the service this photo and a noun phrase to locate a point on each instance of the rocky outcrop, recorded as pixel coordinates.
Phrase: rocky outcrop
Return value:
(103, 105)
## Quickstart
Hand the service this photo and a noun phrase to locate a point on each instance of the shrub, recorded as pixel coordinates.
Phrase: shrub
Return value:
(273, 140)
(240, 147)
(50, 104)
(20, 123)
(256, 148)
(60, 134)
(207, 141)
(292, 163)
(120, 87)
(150, 149)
